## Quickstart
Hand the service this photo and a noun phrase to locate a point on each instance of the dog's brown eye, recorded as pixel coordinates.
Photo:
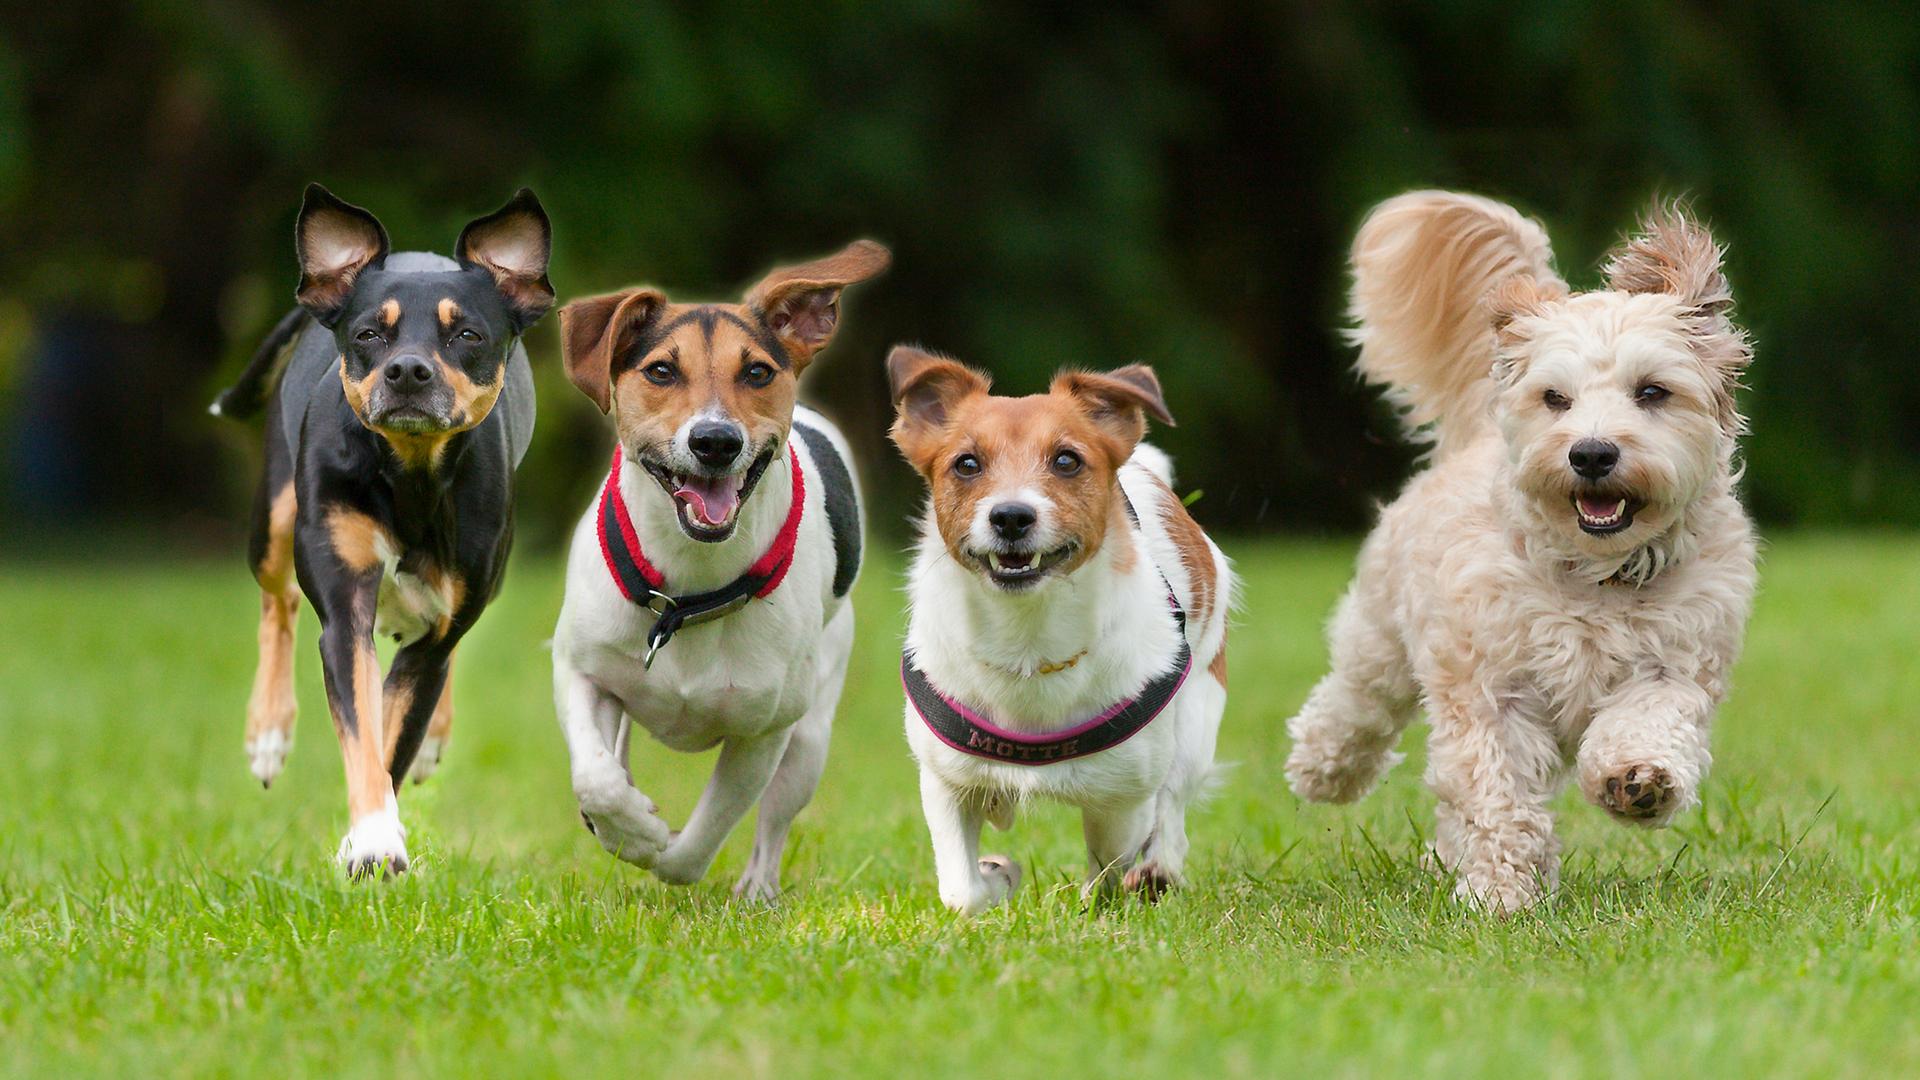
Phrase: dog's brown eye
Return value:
(966, 466)
(1066, 463)
(757, 375)
(1652, 394)
(469, 335)
(1556, 401)
(660, 373)
(367, 335)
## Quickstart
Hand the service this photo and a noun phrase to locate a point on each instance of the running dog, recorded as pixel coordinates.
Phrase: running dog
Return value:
(398, 404)
(1566, 587)
(707, 584)
(1068, 629)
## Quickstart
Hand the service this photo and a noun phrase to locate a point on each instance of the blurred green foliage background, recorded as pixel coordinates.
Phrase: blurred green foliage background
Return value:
(1088, 185)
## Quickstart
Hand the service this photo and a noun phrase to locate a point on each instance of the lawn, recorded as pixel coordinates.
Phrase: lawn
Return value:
(160, 913)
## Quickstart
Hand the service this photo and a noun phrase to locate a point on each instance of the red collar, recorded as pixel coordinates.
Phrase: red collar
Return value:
(642, 583)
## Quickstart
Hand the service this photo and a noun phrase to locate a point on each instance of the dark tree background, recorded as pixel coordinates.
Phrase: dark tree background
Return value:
(1174, 184)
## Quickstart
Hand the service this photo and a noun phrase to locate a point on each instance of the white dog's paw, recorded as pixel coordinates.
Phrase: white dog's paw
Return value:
(680, 864)
(376, 846)
(267, 754)
(1150, 881)
(757, 887)
(1503, 891)
(427, 761)
(1639, 794)
(625, 821)
(999, 877)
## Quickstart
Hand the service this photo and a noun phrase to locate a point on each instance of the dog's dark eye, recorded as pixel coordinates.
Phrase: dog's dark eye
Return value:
(966, 465)
(757, 375)
(1066, 463)
(660, 373)
(1556, 401)
(469, 335)
(1652, 394)
(367, 335)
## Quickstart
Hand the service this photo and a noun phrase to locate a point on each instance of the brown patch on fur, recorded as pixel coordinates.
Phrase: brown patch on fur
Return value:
(398, 701)
(453, 593)
(441, 726)
(390, 313)
(1196, 555)
(271, 706)
(449, 312)
(358, 393)
(1218, 666)
(356, 538)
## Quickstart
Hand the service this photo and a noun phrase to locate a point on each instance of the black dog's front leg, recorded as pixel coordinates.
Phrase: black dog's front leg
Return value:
(416, 683)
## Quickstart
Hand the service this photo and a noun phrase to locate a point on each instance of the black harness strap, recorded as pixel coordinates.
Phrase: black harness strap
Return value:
(843, 505)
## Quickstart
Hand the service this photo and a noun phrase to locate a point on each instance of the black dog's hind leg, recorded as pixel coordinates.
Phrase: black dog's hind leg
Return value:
(271, 707)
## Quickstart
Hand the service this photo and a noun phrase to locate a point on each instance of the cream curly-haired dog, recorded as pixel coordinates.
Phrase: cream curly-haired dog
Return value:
(1566, 586)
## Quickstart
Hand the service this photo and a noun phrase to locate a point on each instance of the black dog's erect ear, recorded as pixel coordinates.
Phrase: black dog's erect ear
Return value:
(334, 240)
(513, 244)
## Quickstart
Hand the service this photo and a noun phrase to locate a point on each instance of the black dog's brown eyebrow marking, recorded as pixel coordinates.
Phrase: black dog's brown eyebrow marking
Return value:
(390, 312)
(449, 311)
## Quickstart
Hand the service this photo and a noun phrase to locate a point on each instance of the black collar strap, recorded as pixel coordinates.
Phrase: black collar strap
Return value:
(970, 733)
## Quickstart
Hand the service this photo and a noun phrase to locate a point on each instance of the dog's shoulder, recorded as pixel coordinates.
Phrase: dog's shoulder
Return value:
(840, 494)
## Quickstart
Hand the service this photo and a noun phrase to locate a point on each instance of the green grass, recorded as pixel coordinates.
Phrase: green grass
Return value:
(160, 913)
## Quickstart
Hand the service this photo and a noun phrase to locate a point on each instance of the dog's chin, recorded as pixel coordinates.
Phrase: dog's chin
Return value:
(408, 420)
(706, 507)
(1020, 571)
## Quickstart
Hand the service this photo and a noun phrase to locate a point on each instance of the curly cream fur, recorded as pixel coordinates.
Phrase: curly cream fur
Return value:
(1537, 650)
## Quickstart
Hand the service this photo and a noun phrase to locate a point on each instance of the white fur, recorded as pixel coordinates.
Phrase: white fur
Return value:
(761, 683)
(376, 843)
(1536, 650)
(982, 645)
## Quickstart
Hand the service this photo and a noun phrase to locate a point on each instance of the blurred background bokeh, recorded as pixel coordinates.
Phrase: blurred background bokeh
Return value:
(1172, 184)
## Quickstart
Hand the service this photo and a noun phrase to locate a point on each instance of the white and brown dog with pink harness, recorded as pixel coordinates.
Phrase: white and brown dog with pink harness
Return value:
(1068, 631)
(707, 585)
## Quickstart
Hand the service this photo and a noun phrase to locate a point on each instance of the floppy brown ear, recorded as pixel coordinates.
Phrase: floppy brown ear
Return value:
(925, 388)
(1673, 253)
(334, 241)
(596, 329)
(1119, 400)
(801, 304)
(513, 244)
(1513, 299)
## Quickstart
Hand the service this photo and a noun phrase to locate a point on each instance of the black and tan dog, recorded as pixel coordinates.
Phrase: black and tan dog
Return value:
(399, 402)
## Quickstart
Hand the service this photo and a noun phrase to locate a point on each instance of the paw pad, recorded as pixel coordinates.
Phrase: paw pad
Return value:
(1640, 793)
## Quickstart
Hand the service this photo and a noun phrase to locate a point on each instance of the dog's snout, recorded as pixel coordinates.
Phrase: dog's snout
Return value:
(1012, 520)
(715, 443)
(408, 372)
(1594, 458)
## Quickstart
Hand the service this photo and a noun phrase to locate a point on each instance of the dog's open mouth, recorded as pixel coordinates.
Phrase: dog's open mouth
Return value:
(1019, 569)
(1601, 515)
(709, 506)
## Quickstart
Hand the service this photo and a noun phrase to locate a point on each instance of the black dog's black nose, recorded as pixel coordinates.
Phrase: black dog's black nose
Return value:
(1012, 521)
(409, 371)
(1593, 458)
(715, 443)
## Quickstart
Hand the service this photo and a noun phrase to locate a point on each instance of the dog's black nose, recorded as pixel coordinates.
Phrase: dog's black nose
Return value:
(1593, 458)
(1012, 520)
(408, 372)
(715, 443)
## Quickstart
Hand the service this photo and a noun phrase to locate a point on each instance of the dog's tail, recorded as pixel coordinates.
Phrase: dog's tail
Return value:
(244, 398)
(1423, 264)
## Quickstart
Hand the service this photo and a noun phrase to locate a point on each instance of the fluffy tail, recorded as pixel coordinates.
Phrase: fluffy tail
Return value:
(244, 398)
(1423, 264)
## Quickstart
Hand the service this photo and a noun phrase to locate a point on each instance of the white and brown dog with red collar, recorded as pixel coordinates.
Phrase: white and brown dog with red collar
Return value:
(707, 585)
(1068, 631)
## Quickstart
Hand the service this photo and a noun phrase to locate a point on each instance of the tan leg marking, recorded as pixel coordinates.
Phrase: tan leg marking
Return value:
(369, 788)
(357, 539)
(441, 726)
(271, 707)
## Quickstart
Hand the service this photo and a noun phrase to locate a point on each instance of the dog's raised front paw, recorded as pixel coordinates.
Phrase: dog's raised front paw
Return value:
(625, 821)
(375, 847)
(1641, 794)
(427, 761)
(267, 754)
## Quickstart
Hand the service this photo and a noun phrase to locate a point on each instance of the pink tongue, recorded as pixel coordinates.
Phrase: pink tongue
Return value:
(712, 501)
(1596, 508)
